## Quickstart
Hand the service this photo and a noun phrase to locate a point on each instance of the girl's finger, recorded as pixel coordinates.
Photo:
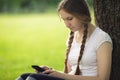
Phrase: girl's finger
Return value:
(48, 71)
(45, 67)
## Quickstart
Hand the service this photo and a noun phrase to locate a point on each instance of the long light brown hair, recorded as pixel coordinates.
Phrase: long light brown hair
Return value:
(79, 9)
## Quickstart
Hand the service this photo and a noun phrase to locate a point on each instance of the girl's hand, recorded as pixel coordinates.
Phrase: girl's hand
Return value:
(45, 67)
(53, 73)
(48, 71)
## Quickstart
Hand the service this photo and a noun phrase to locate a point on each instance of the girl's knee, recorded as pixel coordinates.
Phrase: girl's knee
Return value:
(38, 77)
(42, 77)
(23, 76)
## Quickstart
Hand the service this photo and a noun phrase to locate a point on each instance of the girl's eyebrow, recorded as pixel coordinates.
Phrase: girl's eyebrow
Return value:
(66, 17)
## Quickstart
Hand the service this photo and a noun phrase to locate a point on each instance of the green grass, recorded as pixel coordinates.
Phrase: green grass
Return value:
(27, 39)
(30, 39)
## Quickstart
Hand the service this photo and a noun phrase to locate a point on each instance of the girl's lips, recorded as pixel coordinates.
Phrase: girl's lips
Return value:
(71, 27)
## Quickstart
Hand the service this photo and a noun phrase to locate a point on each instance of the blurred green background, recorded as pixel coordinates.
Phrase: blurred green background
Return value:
(29, 6)
(31, 32)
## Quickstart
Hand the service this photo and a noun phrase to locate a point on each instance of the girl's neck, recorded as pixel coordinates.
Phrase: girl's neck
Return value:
(80, 34)
(91, 28)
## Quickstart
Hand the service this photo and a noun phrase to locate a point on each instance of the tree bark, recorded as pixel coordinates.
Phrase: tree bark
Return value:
(107, 17)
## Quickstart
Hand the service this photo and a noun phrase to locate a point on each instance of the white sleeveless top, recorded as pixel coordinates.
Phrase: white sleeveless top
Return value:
(88, 64)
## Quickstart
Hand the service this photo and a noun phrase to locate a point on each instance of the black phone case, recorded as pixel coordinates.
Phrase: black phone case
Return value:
(39, 69)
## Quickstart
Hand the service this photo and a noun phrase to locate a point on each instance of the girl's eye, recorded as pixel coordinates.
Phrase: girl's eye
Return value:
(69, 18)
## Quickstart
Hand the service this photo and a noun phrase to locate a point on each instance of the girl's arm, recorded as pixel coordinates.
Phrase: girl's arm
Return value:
(104, 58)
(68, 66)
(104, 66)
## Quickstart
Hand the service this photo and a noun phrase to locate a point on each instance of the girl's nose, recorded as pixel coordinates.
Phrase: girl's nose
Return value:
(67, 24)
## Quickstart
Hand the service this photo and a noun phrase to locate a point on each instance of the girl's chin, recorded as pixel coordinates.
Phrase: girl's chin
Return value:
(73, 30)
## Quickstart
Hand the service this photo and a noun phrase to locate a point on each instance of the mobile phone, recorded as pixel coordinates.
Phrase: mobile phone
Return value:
(39, 69)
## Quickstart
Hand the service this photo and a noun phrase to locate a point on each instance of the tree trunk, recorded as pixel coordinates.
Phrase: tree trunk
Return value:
(107, 17)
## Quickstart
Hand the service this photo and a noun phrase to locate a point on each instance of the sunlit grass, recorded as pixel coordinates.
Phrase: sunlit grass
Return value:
(30, 39)
(27, 39)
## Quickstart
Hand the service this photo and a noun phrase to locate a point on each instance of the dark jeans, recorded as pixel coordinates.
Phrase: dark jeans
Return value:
(37, 77)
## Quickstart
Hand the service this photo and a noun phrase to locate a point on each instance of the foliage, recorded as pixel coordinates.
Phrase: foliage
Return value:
(28, 6)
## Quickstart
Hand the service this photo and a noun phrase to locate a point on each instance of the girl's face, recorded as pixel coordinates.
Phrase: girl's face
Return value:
(71, 21)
